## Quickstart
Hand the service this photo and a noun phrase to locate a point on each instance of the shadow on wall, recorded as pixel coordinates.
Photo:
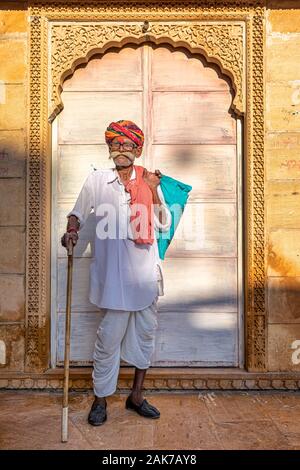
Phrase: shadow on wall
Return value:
(283, 290)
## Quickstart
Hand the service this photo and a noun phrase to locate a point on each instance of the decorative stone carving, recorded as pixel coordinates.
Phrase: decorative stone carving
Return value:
(216, 381)
(63, 34)
(220, 42)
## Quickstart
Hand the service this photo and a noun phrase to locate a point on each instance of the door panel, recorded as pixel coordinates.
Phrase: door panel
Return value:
(80, 301)
(181, 71)
(192, 118)
(86, 113)
(209, 169)
(82, 339)
(182, 105)
(205, 284)
(196, 234)
(196, 338)
(101, 72)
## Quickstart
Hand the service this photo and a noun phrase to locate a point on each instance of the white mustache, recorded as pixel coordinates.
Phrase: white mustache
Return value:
(116, 153)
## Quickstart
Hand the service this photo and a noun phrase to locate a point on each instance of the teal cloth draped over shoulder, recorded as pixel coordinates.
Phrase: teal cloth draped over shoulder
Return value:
(176, 195)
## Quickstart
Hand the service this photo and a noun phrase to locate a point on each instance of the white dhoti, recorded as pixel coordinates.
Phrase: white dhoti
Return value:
(124, 278)
(127, 335)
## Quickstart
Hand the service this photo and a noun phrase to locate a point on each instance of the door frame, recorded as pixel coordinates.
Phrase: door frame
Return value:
(61, 37)
(240, 344)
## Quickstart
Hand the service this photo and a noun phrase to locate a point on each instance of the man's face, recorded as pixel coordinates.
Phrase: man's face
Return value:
(123, 151)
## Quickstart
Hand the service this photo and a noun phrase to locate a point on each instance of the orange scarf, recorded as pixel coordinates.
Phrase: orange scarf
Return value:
(140, 193)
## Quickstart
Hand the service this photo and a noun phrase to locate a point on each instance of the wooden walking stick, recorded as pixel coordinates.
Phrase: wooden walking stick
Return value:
(64, 423)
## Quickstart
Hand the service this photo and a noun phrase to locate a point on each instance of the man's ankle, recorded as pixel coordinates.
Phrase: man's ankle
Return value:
(136, 392)
(137, 395)
(101, 400)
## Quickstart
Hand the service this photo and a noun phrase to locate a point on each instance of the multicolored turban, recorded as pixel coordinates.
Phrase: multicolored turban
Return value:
(127, 129)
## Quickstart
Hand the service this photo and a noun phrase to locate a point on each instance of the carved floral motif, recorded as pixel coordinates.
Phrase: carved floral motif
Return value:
(220, 42)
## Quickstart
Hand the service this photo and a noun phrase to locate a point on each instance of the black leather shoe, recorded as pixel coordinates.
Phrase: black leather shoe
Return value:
(145, 409)
(97, 415)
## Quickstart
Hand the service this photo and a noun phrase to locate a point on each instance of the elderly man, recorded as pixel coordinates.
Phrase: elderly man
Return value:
(125, 273)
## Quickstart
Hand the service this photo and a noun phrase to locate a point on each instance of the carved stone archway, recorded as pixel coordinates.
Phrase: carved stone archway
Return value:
(221, 42)
(62, 35)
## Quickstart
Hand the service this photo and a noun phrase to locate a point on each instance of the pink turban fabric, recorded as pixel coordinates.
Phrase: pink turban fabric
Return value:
(125, 128)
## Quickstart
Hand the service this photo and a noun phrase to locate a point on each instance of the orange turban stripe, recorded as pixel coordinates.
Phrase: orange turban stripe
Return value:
(127, 129)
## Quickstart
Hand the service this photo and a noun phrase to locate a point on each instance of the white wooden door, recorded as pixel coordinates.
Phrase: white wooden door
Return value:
(183, 107)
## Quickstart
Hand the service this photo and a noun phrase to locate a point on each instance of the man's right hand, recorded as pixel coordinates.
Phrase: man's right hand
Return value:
(69, 236)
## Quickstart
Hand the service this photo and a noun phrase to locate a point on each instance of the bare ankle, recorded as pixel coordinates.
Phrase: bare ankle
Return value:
(101, 400)
(136, 395)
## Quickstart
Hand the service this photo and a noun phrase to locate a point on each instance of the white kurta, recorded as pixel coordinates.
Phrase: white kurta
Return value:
(123, 275)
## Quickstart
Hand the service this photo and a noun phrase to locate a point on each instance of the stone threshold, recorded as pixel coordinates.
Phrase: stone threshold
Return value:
(171, 378)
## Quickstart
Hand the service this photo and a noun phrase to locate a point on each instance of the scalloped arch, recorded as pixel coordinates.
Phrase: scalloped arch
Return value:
(220, 43)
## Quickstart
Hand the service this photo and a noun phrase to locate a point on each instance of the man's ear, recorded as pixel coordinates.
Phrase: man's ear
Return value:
(139, 152)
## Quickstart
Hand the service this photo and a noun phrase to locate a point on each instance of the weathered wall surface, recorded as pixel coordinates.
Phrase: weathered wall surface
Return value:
(283, 184)
(13, 134)
(282, 165)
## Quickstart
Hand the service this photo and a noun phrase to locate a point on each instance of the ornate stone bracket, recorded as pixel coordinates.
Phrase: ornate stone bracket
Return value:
(220, 42)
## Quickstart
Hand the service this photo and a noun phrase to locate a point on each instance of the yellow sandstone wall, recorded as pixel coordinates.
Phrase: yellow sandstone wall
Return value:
(13, 135)
(283, 183)
(282, 141)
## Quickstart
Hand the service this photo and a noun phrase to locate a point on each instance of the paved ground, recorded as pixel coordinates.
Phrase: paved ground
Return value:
(205, 420)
